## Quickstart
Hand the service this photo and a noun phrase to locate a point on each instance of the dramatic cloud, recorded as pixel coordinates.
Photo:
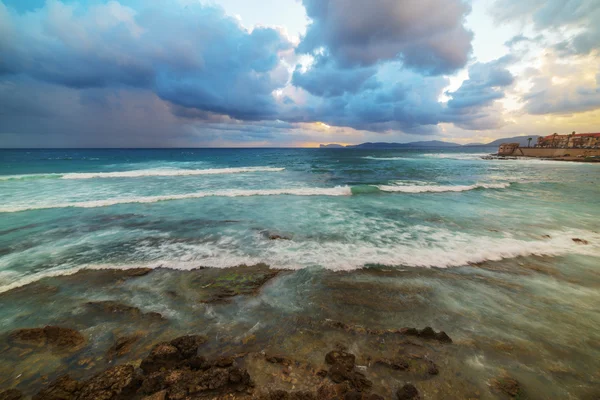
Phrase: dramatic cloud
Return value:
(427, 35)
(195, 57)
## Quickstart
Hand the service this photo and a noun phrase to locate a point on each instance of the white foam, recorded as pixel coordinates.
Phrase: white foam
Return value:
(145, 173)
(457, 156)
(425, 247)
(387, 158)
(419, 188)
(336, 191)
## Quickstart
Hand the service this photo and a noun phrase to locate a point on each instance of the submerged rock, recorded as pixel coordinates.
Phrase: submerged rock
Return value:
(168, 355)
(506, 385)
(116, 382)
(408, 392)
(427, 333)
(64, 388)
(580, 241)
(342, 370)
(113, 307)
(54, 336)
(11, 394)
(122, 346)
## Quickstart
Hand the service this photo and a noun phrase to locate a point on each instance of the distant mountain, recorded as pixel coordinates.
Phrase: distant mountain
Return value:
(331, 146)
(383, 145)
(522, 140)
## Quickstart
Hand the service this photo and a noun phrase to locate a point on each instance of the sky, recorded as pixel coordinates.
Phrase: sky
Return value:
(285, 73)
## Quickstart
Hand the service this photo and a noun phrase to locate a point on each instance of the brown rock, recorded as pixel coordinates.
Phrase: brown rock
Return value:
(397, 364)
(162, 395)
(64, 388)
(115, 382)
(408, 392)
(506, 385)
(188, 345)
(580, 241)
(11, 394)
(61, 338)
(342, 358)
(277, 359)
(163, 356)
(122, 346)
(427, 333)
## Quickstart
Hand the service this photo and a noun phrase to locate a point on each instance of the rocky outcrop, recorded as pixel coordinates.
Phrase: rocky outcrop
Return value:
(342, 370)
(168, 355)
(408, 392)
(118, 382)
(427, 333)
(119, 309)
(122, 346)
(64, 388)
(11, 394)
(52, 336)
(507, 386)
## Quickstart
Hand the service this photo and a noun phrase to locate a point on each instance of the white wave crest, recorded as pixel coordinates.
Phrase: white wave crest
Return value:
(387, 158)
(335, 191)
(437, 248)
(144, 173)
(440, 188)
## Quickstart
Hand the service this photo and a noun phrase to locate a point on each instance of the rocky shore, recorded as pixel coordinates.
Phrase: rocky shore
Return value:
(232, 334)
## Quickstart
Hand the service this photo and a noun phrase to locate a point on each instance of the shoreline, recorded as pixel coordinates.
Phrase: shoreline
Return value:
(117, 318)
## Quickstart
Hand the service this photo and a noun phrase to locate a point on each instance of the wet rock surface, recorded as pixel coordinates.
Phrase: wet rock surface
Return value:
(11, 394)
(507, 386)
(427, 333)
(122, 346)
(408, 392)
(115, 308)
(55, 337)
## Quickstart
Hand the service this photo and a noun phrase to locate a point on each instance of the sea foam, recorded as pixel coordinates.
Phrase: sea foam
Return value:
(335, 191)
(142, 173)
(432, 248)
(440, 188)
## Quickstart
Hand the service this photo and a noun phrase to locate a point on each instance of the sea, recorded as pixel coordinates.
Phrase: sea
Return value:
(504, 255)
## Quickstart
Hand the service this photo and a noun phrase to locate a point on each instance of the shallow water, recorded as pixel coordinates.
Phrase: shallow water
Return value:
(482, 249)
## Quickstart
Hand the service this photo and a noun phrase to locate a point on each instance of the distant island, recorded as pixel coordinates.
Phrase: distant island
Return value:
(522, 140)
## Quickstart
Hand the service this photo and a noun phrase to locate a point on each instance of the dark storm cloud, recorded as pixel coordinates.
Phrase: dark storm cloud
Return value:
(427, 35)
(194, 57)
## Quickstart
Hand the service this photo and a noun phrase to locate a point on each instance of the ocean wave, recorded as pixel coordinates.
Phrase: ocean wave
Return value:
(387, 158)
(440, 188)
(335, 191)
(457, 156)
(142, 173)
(435, 248)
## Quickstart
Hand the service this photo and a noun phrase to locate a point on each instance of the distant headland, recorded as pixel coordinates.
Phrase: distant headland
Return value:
(522, 140)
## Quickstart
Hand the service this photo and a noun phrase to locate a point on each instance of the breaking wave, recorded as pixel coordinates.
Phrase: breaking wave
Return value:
(143, 173)
(436, 248)
(440, 188)
(336, 191)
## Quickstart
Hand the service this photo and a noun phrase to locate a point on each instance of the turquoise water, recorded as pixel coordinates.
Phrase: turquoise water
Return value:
(62, 210)
(482, 249)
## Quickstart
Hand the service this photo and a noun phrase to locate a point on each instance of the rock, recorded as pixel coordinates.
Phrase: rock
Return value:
(277, 359)
(188, 345)
(185, 383)
(279, 237)
(362, 396)
(328, 391)
(427, 333)
(283, 395)
(408, 392)
(60, 338)
(163, 356)
(580, 241)
(397, 364)
(342, 370)
(168, 355)
(432, 368)
(162, 395)
(343, 358)
(115, 382)
(11, 394)
(122, 346)
(64, 388)
(119, 309)
(506, 385)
